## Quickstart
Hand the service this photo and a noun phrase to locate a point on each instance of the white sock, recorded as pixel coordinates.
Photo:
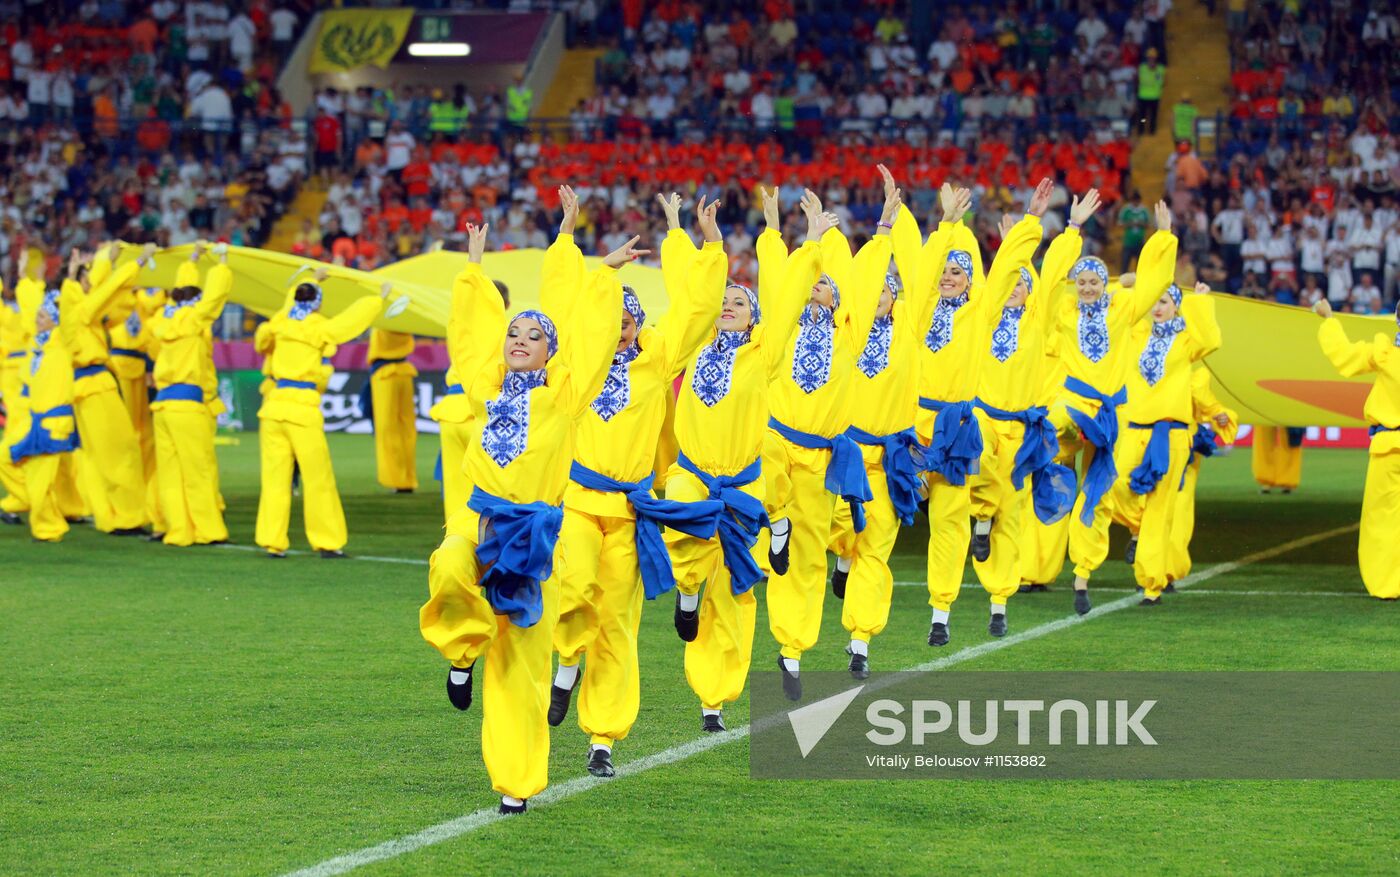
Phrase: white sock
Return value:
(790, 664)
(998, 608)
(511, 802)
(596, 746)
(1081, 583)
(940, 616)
(566, 677)
(689, 602)
(459, 676)
(780, 534)
(860, 647)
(982, 528)
(705, 712)
(843, 564)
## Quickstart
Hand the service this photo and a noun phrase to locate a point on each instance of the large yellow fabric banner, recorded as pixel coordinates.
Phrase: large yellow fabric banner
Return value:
(352, 38)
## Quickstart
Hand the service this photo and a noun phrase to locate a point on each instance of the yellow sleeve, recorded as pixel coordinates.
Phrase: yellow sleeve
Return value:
(695, 306)
(594, 333)
(677, 254)
(866, 279)
(351, 322)
(187, 274)
(263, 340)
(1350, 358)
(1201, 326)
(1014, 254)
(562, 276)
(30, 295)
(801, 272)
(1156, 268)
(1064, 251)
(772, 259)
(216, 288)
(100, 269)
(932, 258)
(101, 293)
(836, 257)
(906, 240)
(480, 315)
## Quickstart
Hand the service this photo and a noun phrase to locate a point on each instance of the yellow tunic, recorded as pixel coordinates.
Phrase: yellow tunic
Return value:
(297, 347)
(181, 339)
(1170, 397)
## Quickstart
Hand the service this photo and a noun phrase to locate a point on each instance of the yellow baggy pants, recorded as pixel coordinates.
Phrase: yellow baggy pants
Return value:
(717, 662)
(116, 484)
(1183, 526)
(1275, 463)
(41, 474)
(600, 610)
(796, 490)
(458, 621)
(16, 499)
(869, 583)
(1158, 508)
(137, 402)
(282, 445)
(1043, 547)
(187, 469)
(395, 430)
(993, 496)
(456, 489)
(1377, 548)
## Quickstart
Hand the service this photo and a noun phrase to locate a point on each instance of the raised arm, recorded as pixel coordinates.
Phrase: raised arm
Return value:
(596, 329)
(699, 297)
(563, 272)
(866, 274)
(101, 293)
(216, 289)
(1064, 251)
(469, 285)
(803, 268)
(934, 255)
(1198, 310)
(355, 319)
(1156, 265)
(772, 255)
(1349, 358)
(1015, 253)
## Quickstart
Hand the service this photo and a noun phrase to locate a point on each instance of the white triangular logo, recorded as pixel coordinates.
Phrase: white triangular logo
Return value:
(811, 722)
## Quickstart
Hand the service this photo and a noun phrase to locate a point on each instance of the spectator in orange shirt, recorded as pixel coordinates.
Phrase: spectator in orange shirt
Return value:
(143, 35)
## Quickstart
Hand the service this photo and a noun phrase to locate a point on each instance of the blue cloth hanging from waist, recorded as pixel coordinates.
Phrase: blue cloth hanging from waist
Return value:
(286, 384)
(180, 393)
(1052, 485)
(845, 472)
(517, 553)
(739, 519)
(1100, 431)
(902, 458)
(366, 398)
(88, 371)
(1202, 445)
(955, 450)
(16, 354)
(455, 390)
(698, 519)
(1376, 428)
(1156, 457)
(38, 441)
(134, 354)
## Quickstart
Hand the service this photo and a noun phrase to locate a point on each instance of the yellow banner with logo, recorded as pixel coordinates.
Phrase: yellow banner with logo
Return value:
(353, 38)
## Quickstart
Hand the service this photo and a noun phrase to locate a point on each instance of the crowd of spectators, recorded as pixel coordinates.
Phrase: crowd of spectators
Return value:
(145, 121)
(1297, 197)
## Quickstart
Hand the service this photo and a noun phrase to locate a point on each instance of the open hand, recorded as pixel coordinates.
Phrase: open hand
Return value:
(1040, 199)
(1081, 211)
(569, 201)
(671, 206)
(705, 217)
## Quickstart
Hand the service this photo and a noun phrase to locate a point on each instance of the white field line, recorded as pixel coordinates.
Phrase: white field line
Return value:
(454, 828)
(1065, 589)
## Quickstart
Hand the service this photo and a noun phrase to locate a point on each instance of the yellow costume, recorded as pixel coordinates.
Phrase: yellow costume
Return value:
(520, 465)
(132, 364)
(1153, 450)
(812, 396)
(1205, 408)
(1043, 546)
(394, 407)
(186, 466)
(116, 485)
(1095, 347)
(1277, 463)
(1009, 387)
(291, 428)
(1377, 548)
(950, 365)
(886, 390)
(721, 422)
(52, 433)
(600, 583)
(15, 334)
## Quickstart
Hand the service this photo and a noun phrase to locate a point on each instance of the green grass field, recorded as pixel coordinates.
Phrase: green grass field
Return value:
(207, 710)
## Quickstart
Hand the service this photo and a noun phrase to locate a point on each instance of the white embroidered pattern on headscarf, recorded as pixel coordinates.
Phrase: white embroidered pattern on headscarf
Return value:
(49, 307)
(1397, 327)
(303, 309)
(174, 306)
(1153, 363)
(508, 416)
(617, 389)
(714, 367)
(133, 323)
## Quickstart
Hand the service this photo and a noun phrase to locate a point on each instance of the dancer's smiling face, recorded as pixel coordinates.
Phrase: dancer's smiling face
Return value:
(736, 315)
(527, 345)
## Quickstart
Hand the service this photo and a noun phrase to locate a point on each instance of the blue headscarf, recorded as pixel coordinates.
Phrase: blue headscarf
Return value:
(633, 305)
(303, 309)
(172, 306)
(963, 259)
(1090, 263)
(1026, 279)
(49, 307)
(1397, 326)
(550, 333)
(753, 300)
(1175, 292)
(893, 284)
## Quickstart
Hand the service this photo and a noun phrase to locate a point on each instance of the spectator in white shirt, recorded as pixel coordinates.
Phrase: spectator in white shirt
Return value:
(40, 94)
(762, 107)
(398, 148)
(242, 36)
(1338, 270)
(737, 81)
(1365, 241)
(284, 27)
(1280, 251)
(871, 104)
(1312, 253)
(1366, 297)
(1092, 28)
(1254, 252)
(1227, 229)
(1311, 293)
